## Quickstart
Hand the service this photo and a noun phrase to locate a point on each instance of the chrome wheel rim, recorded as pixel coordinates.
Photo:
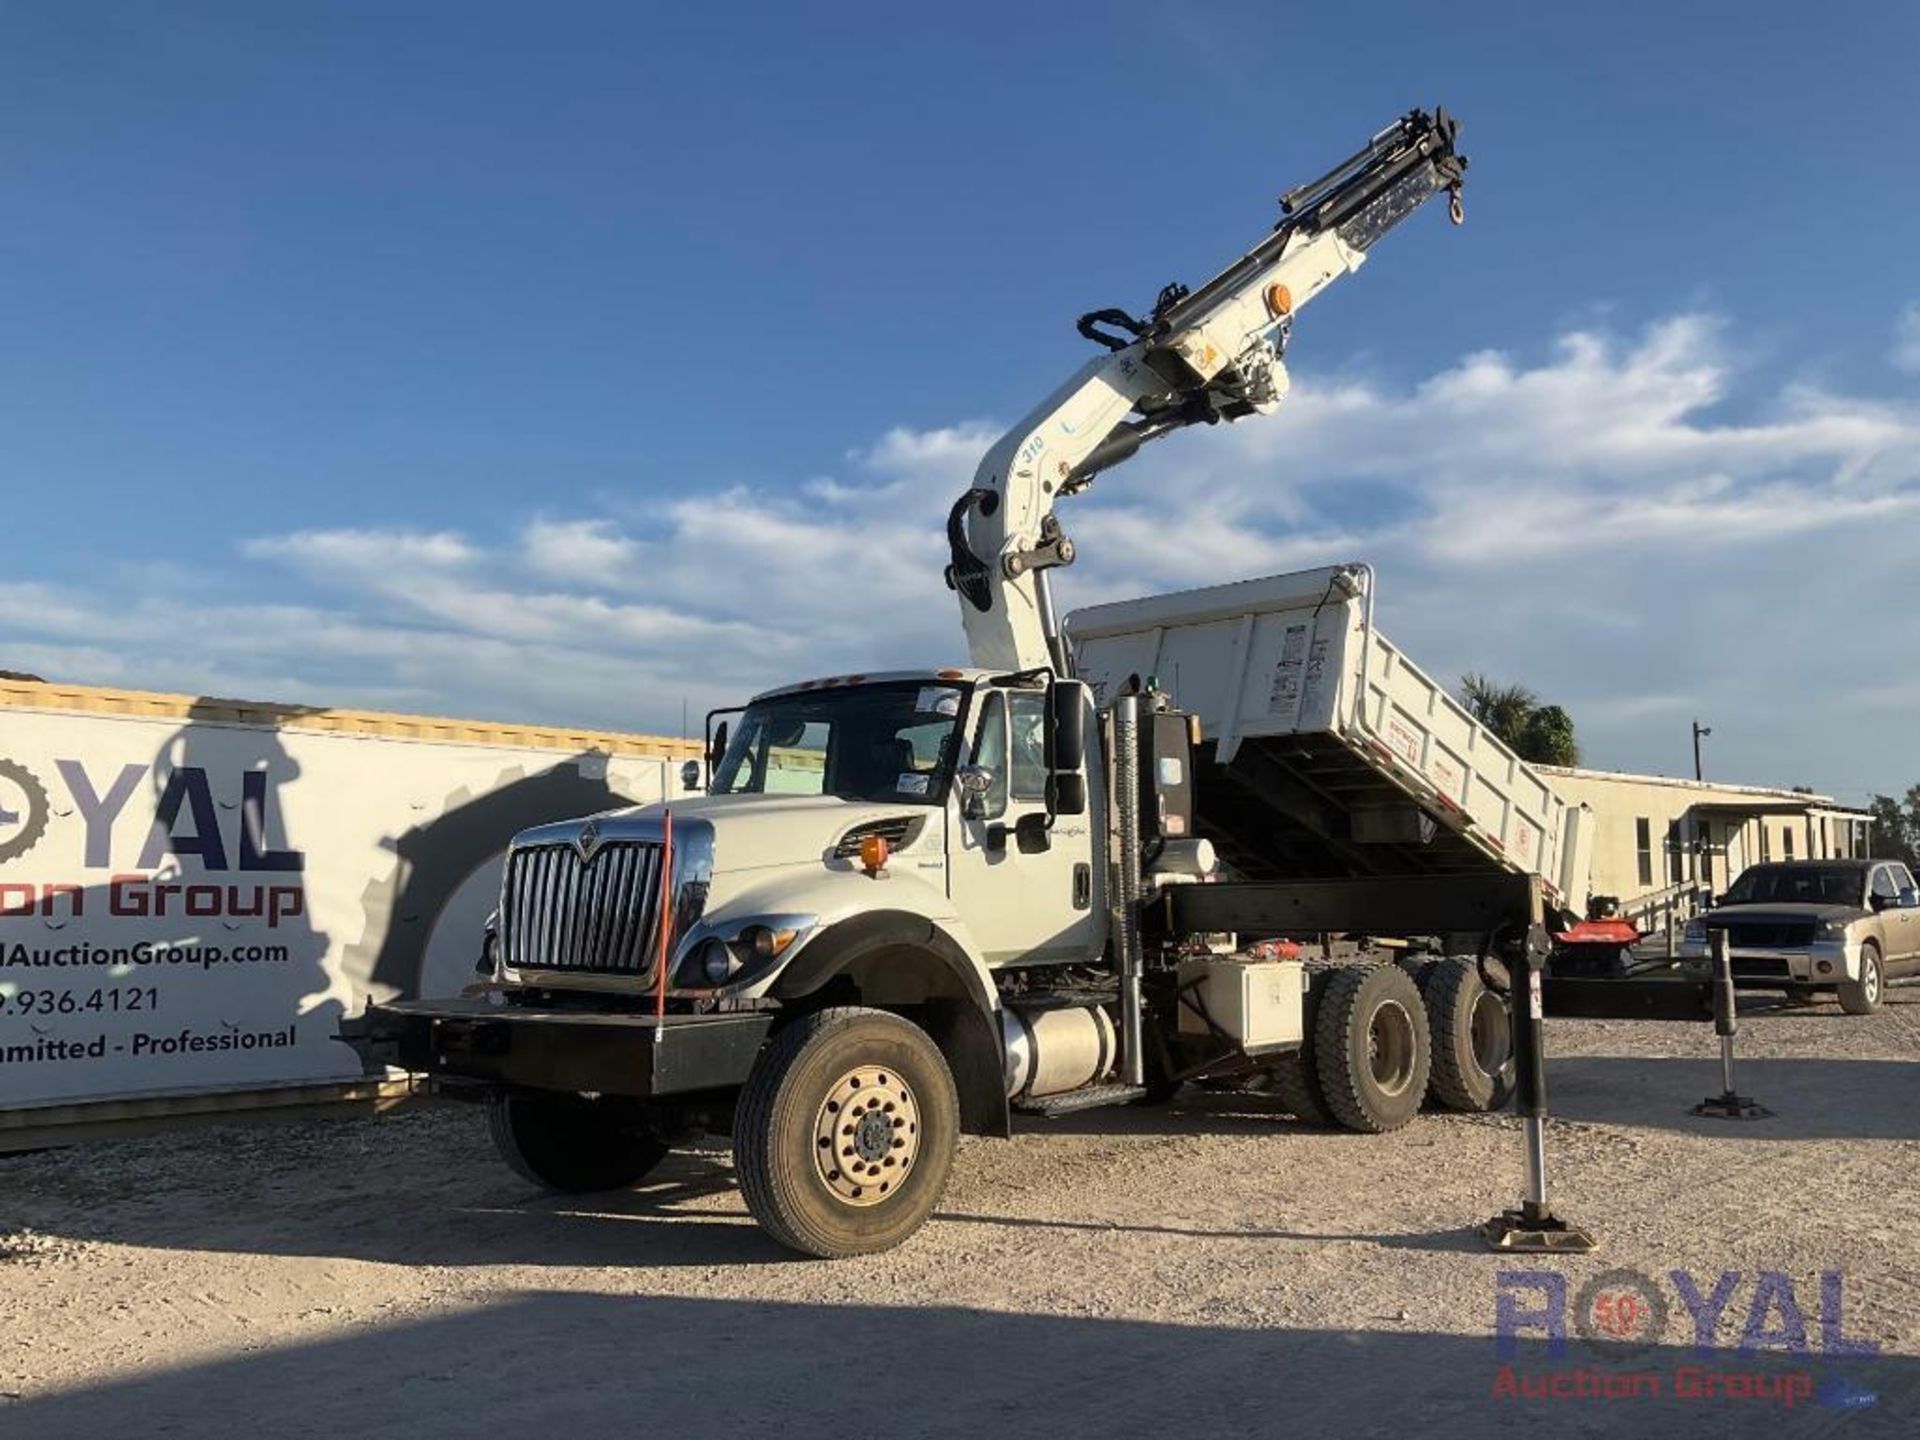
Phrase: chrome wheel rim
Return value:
(1390, 1047)
(866, 1135)
(1489, 1033)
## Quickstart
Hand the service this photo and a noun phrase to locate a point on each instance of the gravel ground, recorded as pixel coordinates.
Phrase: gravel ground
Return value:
(1209, 1266)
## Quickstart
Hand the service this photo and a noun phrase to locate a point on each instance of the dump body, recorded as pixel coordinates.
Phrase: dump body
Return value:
(1326, 751)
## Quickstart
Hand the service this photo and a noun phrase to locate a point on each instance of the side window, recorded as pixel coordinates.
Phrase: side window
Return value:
(1885, 886)
(1903, 882)
(1029, 743)
(990, 750)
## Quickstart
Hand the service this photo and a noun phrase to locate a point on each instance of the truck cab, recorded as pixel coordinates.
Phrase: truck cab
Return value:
(874, 866)
(944, 798)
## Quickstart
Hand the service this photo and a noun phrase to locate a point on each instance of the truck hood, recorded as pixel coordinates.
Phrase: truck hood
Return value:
(1776, 913)
(748, 832)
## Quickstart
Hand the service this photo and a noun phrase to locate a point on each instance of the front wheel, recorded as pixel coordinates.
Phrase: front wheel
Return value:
(1862, 996)
(572, 1144)
(845, 1132)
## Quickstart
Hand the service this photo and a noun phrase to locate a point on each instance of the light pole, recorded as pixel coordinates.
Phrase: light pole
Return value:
(1700, 732)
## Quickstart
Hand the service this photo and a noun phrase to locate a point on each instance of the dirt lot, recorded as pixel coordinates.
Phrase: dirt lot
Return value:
(1213, 1267)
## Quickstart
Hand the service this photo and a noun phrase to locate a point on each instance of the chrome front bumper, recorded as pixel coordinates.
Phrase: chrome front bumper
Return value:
(1825, 962)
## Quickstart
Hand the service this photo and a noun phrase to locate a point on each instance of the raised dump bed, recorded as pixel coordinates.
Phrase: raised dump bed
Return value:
(1328, 752)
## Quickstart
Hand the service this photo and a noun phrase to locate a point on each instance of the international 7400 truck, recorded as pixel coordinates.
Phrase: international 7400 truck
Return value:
(909, 904)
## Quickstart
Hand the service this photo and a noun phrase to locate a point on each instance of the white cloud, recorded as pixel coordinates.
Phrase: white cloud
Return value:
(581, 552)
(364, 551)
(1628, 525)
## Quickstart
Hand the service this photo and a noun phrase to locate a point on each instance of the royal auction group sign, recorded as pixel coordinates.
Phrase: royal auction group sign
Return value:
(193, 903)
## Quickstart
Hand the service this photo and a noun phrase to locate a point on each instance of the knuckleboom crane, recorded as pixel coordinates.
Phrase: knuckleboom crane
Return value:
(1200, 357)
(974, 983)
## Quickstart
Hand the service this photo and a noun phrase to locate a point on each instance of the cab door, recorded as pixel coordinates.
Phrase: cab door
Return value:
(1900, 919)
(1028, 891)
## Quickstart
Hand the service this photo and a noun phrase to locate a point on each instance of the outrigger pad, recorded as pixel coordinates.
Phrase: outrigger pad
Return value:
(1521, 1233)
(1732, 1107)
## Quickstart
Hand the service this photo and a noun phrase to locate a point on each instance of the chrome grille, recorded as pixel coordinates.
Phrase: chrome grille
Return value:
(600, 918)
(1766, 934)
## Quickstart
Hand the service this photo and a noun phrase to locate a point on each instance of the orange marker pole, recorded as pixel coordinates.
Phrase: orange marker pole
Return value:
(666, 924)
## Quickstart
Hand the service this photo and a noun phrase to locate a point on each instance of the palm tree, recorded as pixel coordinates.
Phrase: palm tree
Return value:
(1539, 733)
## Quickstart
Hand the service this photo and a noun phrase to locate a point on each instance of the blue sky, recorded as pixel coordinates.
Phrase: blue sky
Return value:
(568, 362)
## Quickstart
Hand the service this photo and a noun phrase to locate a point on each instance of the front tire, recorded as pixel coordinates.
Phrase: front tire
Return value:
(574, 1145)
(845, 1132)
(1862, 996)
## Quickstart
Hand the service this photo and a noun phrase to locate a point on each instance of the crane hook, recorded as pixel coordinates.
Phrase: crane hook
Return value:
(1456, 211)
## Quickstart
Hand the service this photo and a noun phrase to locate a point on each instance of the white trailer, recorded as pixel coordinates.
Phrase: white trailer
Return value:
(1314, 721)
(196, 894)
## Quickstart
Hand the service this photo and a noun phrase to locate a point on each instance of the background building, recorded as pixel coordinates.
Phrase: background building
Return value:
(1655, 835)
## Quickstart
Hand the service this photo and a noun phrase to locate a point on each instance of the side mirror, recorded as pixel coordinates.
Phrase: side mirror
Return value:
(1067, 724)
(974, 782)
(1067, 730)
(1031, 834)
(1067, 793)
(717, 746)
(1883, 902)
(690, 775)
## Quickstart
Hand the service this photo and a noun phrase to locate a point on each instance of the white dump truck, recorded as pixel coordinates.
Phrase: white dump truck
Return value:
(909, 904)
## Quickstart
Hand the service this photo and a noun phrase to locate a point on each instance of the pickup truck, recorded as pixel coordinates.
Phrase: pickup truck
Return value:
(1817, 926)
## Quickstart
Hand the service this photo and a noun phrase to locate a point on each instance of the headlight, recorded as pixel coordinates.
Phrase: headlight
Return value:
(766, 943)
(1830, 930)
(717, 962)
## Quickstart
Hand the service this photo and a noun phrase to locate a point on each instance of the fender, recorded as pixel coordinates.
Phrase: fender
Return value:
(961, 1015)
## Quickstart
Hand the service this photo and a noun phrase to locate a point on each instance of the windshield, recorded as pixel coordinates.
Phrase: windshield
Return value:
(892, 742)
(1797, 885)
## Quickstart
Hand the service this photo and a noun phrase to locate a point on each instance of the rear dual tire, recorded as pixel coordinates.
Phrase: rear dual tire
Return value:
(1472, 1027)
(1372, 1048)
(1365, 1058)
(1296, 1076)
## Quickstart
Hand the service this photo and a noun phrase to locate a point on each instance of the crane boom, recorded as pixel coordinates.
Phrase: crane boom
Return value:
(1200, 357)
